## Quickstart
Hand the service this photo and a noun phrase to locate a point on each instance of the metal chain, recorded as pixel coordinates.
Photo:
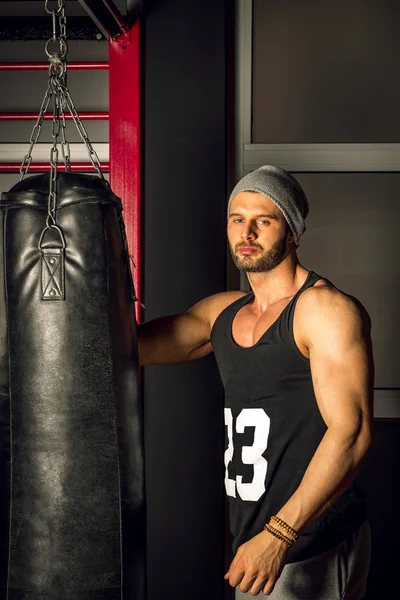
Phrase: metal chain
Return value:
(51, 209)
(63, 24)
(57, 90)
(26, 163)
(65, 149)
(57, 68)
(62, 101)
(93, 156)
(59, 32)
(57, 73)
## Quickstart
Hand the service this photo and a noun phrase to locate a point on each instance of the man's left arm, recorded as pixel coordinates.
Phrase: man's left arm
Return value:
(335, 332)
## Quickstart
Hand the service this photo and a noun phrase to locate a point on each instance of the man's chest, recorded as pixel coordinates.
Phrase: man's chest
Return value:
(248, 327)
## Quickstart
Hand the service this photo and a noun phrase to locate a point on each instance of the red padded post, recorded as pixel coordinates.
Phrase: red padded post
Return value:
(125, 152)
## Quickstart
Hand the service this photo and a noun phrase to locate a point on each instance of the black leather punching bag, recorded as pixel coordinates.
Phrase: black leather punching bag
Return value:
(71, 464)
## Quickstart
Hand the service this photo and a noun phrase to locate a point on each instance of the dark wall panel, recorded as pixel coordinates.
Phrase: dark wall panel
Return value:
(380, 479)
(185, 260)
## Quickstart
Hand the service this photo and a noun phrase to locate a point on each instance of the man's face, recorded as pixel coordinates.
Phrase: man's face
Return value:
(257, 233)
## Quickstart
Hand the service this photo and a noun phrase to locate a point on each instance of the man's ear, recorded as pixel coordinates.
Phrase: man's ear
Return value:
(290, 237)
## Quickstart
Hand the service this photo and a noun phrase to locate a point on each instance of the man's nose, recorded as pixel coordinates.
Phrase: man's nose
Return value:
(248, 232)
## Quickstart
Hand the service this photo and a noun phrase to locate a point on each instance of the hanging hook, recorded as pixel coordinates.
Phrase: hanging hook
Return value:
(60, 6)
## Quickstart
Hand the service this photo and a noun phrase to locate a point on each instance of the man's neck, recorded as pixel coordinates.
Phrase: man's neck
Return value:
(282, 282)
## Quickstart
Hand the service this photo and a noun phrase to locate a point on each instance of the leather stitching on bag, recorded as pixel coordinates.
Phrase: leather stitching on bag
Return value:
(52, 277)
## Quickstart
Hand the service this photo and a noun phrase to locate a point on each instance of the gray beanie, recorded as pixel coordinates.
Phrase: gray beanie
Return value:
(282, 188)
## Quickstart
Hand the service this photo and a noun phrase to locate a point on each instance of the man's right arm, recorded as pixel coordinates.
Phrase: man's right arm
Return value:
(181, 338)
(174, 339)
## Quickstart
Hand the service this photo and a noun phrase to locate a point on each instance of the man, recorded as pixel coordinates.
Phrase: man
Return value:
(295, 359)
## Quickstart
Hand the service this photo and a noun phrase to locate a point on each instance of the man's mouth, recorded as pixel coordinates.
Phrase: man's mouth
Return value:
(247, 250)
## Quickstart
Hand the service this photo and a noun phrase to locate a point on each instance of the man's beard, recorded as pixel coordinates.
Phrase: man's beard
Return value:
(266, 262)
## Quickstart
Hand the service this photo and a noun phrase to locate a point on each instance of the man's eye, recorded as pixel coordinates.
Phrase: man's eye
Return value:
(263, 222)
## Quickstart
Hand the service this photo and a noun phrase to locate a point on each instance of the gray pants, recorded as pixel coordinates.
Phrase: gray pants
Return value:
(338, 574)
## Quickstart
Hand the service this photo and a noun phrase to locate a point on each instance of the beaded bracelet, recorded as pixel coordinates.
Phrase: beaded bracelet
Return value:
(292, 532)
(288, 541)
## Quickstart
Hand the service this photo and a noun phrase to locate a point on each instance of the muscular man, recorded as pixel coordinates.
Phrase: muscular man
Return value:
(296, 363)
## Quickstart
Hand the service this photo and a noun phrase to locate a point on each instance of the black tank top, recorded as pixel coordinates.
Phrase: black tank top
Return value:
(273, 427)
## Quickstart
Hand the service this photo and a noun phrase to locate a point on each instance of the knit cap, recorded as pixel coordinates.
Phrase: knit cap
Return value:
(283, 189)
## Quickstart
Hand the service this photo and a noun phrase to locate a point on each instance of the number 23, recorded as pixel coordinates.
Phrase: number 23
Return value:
(251, 455)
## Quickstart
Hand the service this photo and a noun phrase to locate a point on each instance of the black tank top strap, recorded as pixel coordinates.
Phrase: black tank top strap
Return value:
(287, 316)
(310, 281)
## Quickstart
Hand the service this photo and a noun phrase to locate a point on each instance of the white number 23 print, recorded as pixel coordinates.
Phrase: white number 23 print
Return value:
(251, 455)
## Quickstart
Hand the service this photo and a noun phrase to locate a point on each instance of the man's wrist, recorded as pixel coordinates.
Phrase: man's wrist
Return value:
(276, 533)
(284, 527)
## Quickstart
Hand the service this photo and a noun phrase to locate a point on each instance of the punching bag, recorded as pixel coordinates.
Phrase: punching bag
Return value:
(71, 464)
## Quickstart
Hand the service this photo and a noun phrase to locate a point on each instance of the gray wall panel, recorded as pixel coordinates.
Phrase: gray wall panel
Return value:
(7, 180)
(324, 71)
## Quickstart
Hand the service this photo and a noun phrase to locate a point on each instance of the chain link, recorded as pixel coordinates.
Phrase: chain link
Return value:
(63, 25)
(65, 149)
(93, 156)
(35, 133)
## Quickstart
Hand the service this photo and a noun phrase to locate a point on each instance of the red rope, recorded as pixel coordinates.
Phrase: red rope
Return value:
(44, 167)
(39, 66)
(31, 116)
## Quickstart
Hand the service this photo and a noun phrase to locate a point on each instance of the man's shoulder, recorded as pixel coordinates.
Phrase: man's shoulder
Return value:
(211, 307)
(323, 294)
(324, 301)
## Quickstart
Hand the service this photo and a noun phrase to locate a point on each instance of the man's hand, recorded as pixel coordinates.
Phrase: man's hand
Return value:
(258, 564)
